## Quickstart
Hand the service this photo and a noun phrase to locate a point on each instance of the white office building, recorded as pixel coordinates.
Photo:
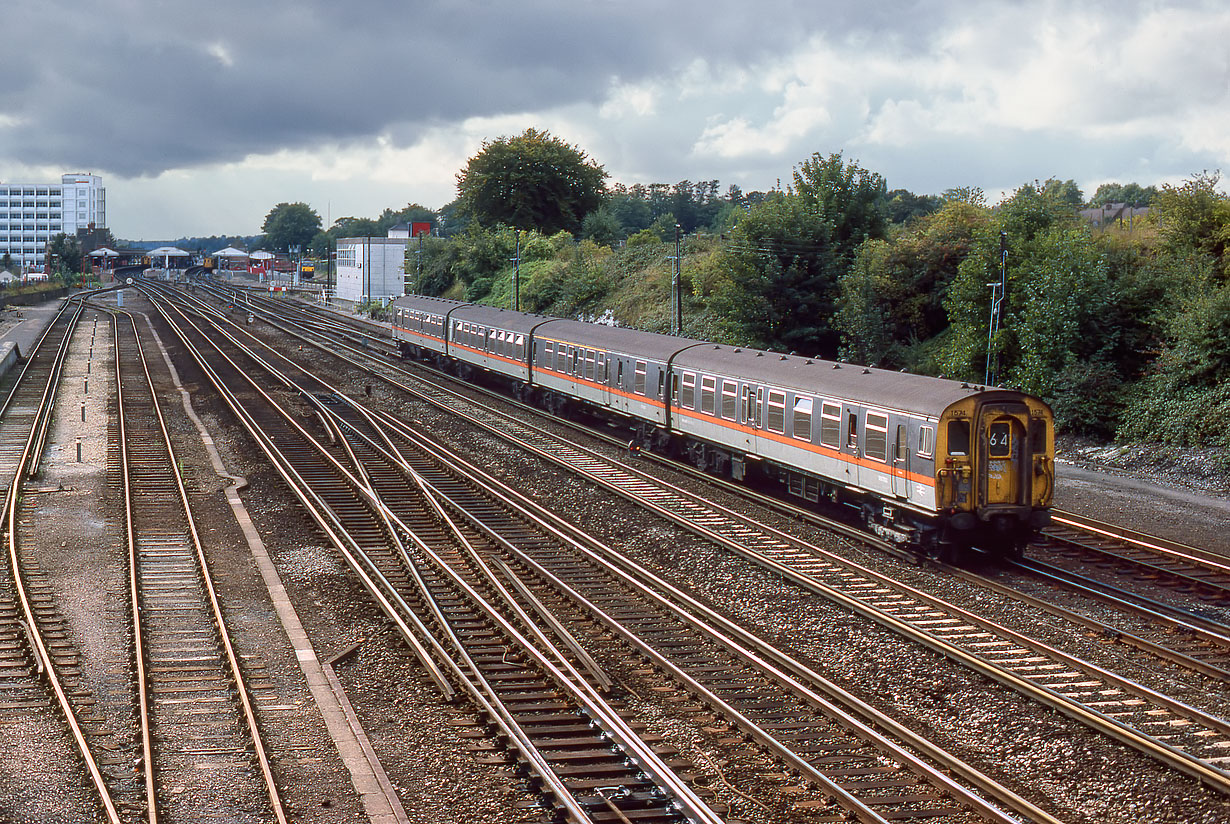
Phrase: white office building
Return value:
(33, 213)
(370, 268)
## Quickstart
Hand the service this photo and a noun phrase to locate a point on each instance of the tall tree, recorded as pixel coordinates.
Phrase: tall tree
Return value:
(531, 181)
(1195, 217)
(781, 287)
(845, 195)
(66, 250)
(290, 224)
(1132, 194)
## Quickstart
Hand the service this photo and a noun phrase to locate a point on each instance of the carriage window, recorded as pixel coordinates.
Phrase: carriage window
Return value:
(1000, 439)
(548, 354)
(730, 393)
(802, 418)
(602, 367)
(958, 437)
(639, 387)
(661, 384)
(901, 449)
(830, 425)
(876, 447)
(576, 361)
(561, 358)
(520, 343)
(687, 393)
(619, 375)
(1037, 436)
(590, 357)
(776, 418)
(926, 442)
(852, 431)
(707, 387)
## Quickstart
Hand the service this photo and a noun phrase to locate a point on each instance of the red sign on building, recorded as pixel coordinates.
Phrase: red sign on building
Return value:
(417, 229)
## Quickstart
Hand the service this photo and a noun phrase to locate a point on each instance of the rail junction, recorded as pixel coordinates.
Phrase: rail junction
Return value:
(579, 618)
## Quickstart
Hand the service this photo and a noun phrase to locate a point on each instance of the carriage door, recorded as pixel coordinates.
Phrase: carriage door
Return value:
(901, 462)
(1001, 441)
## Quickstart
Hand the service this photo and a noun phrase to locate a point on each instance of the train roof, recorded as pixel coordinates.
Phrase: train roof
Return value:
(616, 339)
(424, 303)
(845, 381)
(499, 318)
(841, 381)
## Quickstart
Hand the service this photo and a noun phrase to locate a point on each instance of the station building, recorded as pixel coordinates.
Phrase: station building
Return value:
(31, 214)
(370, 269)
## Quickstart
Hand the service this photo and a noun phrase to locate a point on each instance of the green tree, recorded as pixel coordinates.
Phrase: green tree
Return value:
(1054, 339)
(781, 287)
(601, 226)
(846, 196)
(1065, 192)
(290, 224)
(1185, 399)
(1195, 217)
(892, 298)
(531, 181)
(356, 227)
(902, 205)
(66, 251)
(412, 213)
(1132, 194)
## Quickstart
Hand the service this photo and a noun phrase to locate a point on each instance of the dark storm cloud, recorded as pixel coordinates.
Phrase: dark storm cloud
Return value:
(136, 87)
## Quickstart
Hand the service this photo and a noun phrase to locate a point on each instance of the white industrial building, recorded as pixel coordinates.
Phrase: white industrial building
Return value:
(370, 269)
(33, 213)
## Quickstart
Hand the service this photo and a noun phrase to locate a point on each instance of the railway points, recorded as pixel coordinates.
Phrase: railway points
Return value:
(695, 737)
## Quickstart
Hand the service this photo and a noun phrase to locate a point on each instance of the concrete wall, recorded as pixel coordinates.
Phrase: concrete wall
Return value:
(371, 268)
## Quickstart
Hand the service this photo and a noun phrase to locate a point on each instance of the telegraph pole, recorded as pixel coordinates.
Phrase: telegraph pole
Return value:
(998, 292)
(676, 293)
(516, 284)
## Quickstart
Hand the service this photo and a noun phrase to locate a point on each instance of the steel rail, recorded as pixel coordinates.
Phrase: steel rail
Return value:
(323, 515)
(467, 671)
(1169, 549)
(238, 682)
(37, 642)
(143, 701)
(731, 636)
(1175, 757)
(1116, 729)
(701, 817)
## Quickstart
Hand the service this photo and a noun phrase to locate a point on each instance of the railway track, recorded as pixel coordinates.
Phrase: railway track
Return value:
(869, 775)
(42, 674)
(761, 692)
(1181, 736)
(202, 754)
(533, 717)
(1148, 560)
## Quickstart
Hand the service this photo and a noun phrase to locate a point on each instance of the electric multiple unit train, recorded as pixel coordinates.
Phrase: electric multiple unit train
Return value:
(932, 464)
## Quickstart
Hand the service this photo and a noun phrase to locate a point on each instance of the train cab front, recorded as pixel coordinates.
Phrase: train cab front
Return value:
(995, 476)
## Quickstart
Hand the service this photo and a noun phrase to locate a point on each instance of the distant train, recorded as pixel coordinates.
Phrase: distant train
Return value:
(932, 464)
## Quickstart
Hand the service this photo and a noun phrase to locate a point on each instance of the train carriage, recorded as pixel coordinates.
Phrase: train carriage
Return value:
(621, 370)
(419, 323)
(497, 340)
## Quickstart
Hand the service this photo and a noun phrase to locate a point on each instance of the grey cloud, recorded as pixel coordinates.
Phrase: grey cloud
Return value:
(138, 89)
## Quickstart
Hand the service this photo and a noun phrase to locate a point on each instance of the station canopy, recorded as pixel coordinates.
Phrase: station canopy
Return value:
(104, 252)
(169, 251)
(230, 252)
(261, 256)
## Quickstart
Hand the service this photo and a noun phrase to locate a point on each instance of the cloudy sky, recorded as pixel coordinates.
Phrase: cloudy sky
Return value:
(202, 115)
